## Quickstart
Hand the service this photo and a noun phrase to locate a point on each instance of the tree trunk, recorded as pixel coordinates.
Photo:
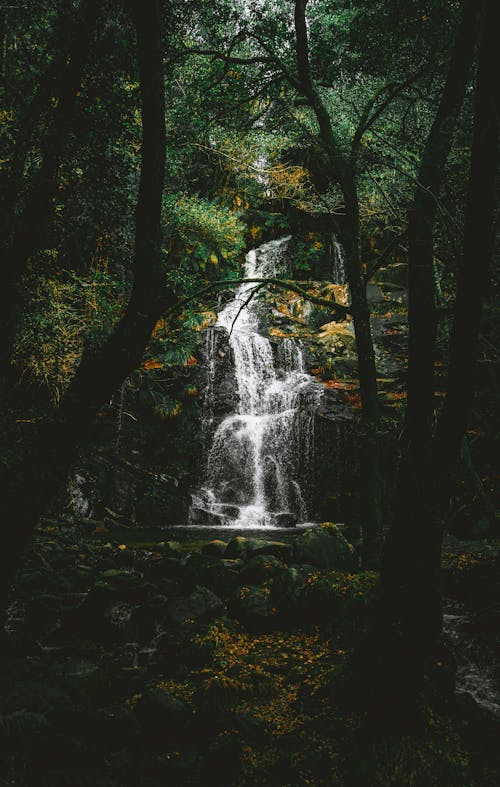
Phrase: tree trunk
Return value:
(472, 277)
(28, 489)
(371, 509)
(25, 234)
(422, 215)
(409, 621)
(344, 174)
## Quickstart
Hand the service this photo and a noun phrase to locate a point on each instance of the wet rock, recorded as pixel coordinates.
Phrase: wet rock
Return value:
(237, 548)
(202, 604)
(240, 547)
(162, 505)
(285, 519)
(325, 547)
(260, 546)
(214, 548)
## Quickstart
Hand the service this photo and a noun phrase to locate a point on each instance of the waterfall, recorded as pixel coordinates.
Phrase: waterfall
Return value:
(339, 273)
(259, 464)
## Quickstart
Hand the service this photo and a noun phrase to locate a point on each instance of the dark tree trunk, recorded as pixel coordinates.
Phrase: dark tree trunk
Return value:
(27, 490)
(343, 172)
(371, 510)
(472, 277)
(422, 215)
(410, 610)
(24, 227)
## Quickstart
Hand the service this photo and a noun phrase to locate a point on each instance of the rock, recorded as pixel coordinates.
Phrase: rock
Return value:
(222, 576)
(171, 548)
(397, 274)
(260, 546)
(168, 568)
(286, 589)
(240, 547)
(237, 548)
(325, 547)
(202, 604)
(261, 568)
(285, 519)
(164, 504)
(252, 607)
(215, 548)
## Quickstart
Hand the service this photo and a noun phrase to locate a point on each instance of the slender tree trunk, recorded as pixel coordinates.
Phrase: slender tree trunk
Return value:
(27, 490)
(344, 174)
(26, 233)
(369, 460)
(422, 215)
(410, 609)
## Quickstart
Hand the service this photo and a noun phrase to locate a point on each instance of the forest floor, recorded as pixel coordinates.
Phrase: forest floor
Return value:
(136, 661)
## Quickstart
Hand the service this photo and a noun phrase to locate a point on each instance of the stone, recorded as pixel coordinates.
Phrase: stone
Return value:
(285, 519)
(325, 547)
(171, 548)
(202, 604)
(252, 606)
(214, 548)
(237, 548)
(261, 568)
(260, 546)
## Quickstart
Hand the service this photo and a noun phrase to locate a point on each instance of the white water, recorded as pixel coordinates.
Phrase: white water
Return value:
(476, 674)
(258, 466)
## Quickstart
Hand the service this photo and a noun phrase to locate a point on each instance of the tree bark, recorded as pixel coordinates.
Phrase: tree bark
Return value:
(409, 621)
(27, 490)
(473, 270)
(343, 172)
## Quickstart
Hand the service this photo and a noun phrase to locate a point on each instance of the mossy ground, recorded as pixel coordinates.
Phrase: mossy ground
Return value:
(93, 672)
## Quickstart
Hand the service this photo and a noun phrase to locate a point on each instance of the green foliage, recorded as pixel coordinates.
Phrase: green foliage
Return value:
(64, 313)
(205, 229)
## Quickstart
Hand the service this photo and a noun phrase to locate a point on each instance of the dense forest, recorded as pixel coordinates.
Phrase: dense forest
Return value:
(249, 373)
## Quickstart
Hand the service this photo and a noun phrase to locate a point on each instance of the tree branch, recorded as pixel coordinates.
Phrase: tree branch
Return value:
(282, 284)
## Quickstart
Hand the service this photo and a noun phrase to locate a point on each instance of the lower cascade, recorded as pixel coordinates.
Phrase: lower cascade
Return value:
(260, 461)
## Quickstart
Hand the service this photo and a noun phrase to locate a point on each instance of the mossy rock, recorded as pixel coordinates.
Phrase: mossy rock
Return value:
(260, 569)
(215, 548)
(202, 604)
(241, 547)
(252, 606)
(325, 547)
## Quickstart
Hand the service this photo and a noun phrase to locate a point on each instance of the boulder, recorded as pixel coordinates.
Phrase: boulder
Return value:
(261, 568)
(237, 548)
(325, 547)
(252, 606)
(202, 604)
(241, 547)
(214, 548)
(285, 519)
(170, 548)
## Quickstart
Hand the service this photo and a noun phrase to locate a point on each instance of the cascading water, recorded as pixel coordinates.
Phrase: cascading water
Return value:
(260, 459)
